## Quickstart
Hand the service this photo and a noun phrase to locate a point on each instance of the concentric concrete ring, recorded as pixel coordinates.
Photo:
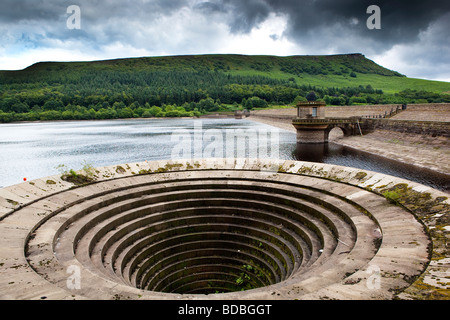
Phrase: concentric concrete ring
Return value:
(209, 229)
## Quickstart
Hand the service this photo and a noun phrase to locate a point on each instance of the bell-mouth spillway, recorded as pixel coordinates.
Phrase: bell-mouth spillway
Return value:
(210, 229)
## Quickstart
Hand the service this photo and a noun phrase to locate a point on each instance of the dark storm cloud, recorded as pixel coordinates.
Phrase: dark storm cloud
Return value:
(17, 11)
(210, 7)
(94, 11)
(321, 20)
(247, 14)
(241, 16)
(401, 21)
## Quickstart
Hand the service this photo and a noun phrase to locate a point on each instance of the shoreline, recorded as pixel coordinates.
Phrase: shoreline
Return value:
(91, 120)
(115, 119)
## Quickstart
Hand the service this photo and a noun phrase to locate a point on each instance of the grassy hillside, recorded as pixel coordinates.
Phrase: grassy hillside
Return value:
(320, 71)
(187, 85)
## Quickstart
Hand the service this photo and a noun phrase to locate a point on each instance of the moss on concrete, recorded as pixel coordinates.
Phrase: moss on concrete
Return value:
(434, 213)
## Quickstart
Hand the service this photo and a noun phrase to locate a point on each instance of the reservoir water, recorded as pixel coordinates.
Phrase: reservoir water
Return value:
(35, 150)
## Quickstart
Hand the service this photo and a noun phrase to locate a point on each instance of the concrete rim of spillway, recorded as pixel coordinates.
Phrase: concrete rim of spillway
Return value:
(390, 252)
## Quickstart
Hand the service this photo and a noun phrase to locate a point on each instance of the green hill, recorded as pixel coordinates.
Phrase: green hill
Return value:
(322, 71)
(187, 85)
(332, 64)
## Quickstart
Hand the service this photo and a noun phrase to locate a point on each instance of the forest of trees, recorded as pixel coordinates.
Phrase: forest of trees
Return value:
(127, 93)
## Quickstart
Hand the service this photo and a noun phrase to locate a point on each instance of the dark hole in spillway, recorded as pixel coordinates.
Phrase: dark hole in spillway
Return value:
(212, 235)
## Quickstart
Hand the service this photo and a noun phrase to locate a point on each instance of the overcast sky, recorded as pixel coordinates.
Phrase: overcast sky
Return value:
(414, 38)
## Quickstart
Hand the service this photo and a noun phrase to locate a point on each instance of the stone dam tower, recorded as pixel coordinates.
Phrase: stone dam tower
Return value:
(310, 123)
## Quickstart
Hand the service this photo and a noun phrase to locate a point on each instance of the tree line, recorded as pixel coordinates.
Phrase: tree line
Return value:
(108, 94)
